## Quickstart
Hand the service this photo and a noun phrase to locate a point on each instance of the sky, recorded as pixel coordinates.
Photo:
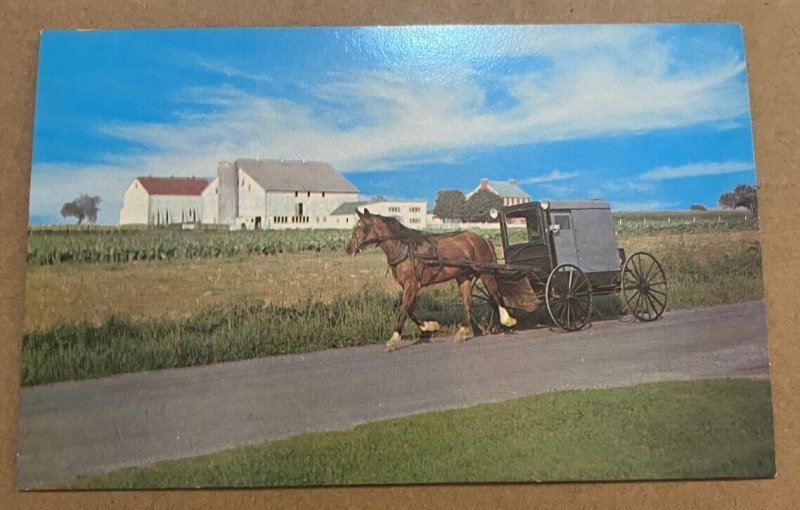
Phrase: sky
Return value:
(649, 117)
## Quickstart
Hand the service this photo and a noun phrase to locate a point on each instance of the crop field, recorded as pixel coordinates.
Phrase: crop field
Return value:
(89, 244)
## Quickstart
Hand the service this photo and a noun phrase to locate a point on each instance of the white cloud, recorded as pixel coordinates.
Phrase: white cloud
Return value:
(230, 71)
(602, 81)
(696, 169)
(560, 190)
(555, 175)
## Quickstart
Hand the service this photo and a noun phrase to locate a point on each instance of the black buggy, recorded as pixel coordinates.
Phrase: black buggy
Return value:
(562, 253)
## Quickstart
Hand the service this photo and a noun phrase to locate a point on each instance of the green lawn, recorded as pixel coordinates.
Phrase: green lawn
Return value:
(701, 429)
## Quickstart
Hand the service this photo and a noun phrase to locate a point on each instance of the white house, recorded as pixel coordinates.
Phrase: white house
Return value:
(163, 201)
(508, 190)
(411, 213)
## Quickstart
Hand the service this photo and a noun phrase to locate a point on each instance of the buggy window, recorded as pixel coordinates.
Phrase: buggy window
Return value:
(562, 220)
(524, 228)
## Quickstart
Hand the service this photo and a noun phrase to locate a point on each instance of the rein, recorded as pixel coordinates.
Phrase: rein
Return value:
(406, 251)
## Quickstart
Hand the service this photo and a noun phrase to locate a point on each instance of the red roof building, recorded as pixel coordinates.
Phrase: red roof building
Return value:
(175, 186)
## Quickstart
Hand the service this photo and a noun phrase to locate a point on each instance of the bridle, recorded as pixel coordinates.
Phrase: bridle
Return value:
(405, 251)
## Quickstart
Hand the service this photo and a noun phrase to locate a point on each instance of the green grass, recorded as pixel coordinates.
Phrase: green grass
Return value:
(221, 333)
(251, 330)
(674, 430)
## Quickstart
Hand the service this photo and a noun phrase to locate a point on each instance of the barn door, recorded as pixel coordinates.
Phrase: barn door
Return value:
(564, 239)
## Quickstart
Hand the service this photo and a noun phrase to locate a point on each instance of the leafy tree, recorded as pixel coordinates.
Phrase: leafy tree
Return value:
(83, 207)
(697, 207)
(451, 204)
(741, 196)
(480, 203)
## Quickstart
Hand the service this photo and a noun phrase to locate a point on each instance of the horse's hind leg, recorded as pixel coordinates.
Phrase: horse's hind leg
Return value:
(465, 289)
(491, 285)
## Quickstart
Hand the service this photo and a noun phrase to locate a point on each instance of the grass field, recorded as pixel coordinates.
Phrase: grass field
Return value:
(87, 321)
(674, 430)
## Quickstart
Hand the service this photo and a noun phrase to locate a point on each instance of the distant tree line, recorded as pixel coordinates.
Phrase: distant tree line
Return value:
(741, 196)
(452, 204)
(84, 207)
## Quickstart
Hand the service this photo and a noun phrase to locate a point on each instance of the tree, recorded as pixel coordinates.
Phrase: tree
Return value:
(697, 207)
(83, 207)
(741, 196)
(479, 205)
(451, 204)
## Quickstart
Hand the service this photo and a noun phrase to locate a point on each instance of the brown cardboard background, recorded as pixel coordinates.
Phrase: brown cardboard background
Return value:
(772, 39)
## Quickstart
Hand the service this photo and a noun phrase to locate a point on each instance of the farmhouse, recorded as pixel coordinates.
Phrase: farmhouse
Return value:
(508, 190)
(163, 201)
(247, 193)
(411, 213)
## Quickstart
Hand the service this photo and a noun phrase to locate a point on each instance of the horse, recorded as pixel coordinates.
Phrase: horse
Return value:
(419, 259)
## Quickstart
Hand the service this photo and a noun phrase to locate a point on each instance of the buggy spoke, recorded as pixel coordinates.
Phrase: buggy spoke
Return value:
(652, 304)
(657, 291)
(660, 304)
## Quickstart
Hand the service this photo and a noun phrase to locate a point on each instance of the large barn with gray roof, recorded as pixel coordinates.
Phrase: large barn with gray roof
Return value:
(246, 193)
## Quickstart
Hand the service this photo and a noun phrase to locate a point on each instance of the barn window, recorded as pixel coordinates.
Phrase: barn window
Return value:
(295, 193)
(308, 194)
(323, 194)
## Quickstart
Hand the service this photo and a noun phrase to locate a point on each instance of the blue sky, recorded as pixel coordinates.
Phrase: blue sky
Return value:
(650, 117)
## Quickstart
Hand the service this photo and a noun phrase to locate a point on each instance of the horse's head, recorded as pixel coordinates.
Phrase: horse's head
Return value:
(365, 232)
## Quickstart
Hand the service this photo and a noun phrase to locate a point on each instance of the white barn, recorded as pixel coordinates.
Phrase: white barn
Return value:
(275, 194)
(163, 201)
(247, 193)
(411, 213)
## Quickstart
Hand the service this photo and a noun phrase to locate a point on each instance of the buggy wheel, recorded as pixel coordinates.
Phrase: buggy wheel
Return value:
(644, 286)
(568, 295)
(485, 315)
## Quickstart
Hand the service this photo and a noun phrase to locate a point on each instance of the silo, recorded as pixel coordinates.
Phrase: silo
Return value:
(228, 201)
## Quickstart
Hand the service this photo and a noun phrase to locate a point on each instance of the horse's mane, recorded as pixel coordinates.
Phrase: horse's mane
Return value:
(400, 231)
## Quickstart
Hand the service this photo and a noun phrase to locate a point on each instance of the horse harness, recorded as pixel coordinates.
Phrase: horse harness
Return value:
(410, 250)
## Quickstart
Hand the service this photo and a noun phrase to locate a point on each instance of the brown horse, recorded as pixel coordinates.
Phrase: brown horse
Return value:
(418, 260)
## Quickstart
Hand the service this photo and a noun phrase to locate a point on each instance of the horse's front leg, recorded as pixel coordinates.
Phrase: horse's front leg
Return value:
(406, 310)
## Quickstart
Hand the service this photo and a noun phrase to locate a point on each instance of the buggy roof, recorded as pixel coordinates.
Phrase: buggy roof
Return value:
(568, 205)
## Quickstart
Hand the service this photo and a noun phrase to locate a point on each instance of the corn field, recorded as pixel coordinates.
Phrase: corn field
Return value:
(97, 244)
(109, 245)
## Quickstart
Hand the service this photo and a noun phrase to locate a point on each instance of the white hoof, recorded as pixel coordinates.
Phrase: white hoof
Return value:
(462, 334)
(393, 342)
(505, 319)
(430, 326)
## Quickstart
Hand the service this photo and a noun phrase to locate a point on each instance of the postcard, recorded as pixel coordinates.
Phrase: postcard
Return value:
(264, 257)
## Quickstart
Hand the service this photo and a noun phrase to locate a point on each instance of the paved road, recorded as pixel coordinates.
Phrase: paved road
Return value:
(95, 426)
